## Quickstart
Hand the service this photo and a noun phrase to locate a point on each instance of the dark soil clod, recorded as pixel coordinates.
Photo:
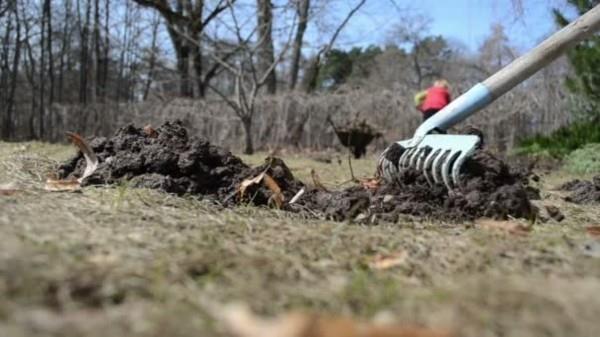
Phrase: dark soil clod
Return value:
(583, 191)
(175, 162)
(356, 136)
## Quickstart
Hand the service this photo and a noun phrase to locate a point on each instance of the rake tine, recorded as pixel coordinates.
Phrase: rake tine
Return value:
(457, 166)
(401, 161)
(436, 163)
(446, 168)
(421, 159)
(407, 159)
(413, 158)
(432, 155)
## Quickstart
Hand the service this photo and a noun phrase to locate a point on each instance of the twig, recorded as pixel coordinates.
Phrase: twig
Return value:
(352, 177)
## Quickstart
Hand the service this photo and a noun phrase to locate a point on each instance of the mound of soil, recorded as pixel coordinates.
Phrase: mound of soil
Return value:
(170, 160)
(490, 189)
(356, 136)
(583, 191)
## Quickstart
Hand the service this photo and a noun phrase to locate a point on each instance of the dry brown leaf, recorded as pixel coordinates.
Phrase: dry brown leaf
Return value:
(277, 196)
(91, 161)
(150, 131)
(242, 323)
(370, 183)
(8, 189)
(60, 185)
(387, 261)
(509, 226)
(249, 182)
(317, 181)
(593, 231)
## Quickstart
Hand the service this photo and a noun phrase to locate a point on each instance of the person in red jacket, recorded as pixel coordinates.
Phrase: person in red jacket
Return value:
(438, 96)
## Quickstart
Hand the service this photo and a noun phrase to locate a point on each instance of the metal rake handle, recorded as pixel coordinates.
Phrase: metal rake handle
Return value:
(482, 94)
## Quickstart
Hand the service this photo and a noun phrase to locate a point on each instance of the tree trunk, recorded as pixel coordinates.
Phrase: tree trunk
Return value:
(100, 90)
(302, 9)
(247, 124)
(49, 43)
(83, 66)
(65, 46)
(152, 61)
(266, 51)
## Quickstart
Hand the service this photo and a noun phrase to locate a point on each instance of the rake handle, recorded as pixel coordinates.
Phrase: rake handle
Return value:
(550, 49)
(482, 94)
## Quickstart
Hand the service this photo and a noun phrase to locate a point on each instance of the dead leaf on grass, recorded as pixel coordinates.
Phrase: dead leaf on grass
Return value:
(387, 261)
(593, 231)
(91, 161)
(269, 182)
(240, 322)
(62, 185)
(8, 189)
(509, 226)
(317, 181)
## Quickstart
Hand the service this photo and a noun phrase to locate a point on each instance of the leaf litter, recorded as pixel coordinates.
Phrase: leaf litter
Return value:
(169, 159)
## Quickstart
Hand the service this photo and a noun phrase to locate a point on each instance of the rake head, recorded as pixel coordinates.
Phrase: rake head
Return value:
(439, 157)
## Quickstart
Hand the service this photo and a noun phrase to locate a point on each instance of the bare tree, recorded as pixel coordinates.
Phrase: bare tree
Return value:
(302, 8)
(314, 67)
(186, 22)
(249, 77)
(266, 52)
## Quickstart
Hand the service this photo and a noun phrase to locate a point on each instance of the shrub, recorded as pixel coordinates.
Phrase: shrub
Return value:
(585, 160)
(563, 141)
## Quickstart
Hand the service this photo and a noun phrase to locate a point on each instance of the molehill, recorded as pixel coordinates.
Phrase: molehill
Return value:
(583, 191)
(171, 160)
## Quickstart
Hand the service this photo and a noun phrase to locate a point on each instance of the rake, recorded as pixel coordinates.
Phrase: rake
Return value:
(440, 156)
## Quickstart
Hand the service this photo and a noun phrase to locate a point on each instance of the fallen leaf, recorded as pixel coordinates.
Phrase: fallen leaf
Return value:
(150, 131)
(91, 161)
(249, 182)
(277, 196)
(240, 322)
(593, 231)
(509, 226)
(62, 185)
(8, 189)
(387, 261)
(370, 183)
(317, 181)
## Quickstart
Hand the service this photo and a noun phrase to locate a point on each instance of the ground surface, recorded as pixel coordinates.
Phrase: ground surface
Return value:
(116, 261)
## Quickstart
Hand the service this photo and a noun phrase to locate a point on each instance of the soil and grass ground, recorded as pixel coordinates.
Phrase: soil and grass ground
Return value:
(120, 261)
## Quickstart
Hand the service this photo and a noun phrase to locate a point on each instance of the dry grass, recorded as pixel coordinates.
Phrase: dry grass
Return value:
(117, 261)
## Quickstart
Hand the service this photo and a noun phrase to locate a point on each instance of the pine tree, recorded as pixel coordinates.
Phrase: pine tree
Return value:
(584, 58)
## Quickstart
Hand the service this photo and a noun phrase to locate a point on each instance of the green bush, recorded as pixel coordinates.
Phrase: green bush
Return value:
(585, 160)
(562, 141)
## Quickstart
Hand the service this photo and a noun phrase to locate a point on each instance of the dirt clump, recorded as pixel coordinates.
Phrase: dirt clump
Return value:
(583, 191)
(490, 189)
(171, 160)
(355, 135)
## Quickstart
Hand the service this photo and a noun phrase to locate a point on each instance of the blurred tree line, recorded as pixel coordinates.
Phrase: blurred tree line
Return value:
(86, 53)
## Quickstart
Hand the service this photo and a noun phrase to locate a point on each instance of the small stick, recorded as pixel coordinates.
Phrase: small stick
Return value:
(352, 177)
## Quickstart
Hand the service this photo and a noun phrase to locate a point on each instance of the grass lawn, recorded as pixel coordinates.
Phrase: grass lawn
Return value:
(118, 261)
